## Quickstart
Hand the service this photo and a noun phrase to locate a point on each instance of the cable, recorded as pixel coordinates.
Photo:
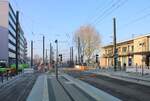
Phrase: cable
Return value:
(106, 10)
(99, 9)
(135, 20)
(111, 11)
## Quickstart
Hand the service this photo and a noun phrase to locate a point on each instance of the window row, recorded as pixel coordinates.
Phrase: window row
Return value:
(12, 13)
(12, 30)
(11, 21)
(12, 55)
(12, 47)
(121, 49)
(11, 38)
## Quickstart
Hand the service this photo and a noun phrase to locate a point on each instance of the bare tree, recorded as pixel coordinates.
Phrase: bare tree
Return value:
(89, 41)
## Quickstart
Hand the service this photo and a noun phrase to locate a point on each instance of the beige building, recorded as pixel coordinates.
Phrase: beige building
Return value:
(131, 52)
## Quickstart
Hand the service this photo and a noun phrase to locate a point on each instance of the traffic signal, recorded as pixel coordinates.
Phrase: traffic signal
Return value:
(60, 57)
(96, 58)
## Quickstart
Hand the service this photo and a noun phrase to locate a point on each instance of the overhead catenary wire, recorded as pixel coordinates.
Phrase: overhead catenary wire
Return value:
(109, 11)
(136, 19)
(100, 8)
(104, 10)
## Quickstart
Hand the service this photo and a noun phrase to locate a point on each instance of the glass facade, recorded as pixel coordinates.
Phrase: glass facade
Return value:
(11, 35)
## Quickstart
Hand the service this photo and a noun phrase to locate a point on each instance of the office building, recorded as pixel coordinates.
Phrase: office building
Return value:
(8, 35)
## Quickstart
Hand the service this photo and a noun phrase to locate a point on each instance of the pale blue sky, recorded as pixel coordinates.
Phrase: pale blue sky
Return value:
(58, 19)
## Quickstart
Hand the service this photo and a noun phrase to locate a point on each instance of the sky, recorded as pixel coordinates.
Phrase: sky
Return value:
(59, 19)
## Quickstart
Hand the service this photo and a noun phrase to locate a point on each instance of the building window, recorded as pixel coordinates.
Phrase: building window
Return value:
(12, 47)
(109, 51)
(124, 49)
(12, 12)
(124, 61)
(105, 51)
(132, 48)
(11, 30)
(12, 55)
(11, 21)
(129, 48)
(11, 38)
(119, 49)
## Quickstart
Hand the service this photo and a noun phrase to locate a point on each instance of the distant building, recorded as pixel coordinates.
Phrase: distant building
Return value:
(8, 35)
(131, 52)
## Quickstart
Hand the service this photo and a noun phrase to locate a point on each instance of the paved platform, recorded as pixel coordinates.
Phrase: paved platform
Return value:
(66, 88)
(69, 91)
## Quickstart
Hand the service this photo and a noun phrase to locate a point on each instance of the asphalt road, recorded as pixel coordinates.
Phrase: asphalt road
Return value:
(123, 90)
(18, 89)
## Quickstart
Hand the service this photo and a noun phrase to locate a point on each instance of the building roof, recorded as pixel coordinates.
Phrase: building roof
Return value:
(129, 40)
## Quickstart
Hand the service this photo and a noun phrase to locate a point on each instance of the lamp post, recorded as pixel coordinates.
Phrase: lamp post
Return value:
(56, 67)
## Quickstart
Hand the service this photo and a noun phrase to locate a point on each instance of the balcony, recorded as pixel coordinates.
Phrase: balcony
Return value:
(108, 55)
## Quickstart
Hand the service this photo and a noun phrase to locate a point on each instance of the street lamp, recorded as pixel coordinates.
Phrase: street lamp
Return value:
(56, 68)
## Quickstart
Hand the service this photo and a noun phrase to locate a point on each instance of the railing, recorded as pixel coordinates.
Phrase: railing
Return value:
(139, 69)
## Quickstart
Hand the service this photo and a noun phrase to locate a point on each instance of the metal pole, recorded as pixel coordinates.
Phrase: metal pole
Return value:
(46, 57)
(114, 40)
(56, 68)
(31, 54)
(72, 57)
(78, 50)
(142, 60)
(50, 54)
(76, 60)
(43, 50)
(17, 39)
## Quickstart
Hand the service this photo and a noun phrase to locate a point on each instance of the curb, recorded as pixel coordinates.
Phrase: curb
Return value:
(97, 94)
(138, 79)
(126, 78)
